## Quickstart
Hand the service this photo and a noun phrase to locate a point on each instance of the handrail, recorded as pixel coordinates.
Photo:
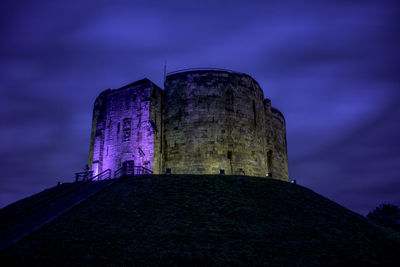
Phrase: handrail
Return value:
(200, 69)
(102, 176)
(133, 170)
(148, 171)
(83, 176)
(118, 173)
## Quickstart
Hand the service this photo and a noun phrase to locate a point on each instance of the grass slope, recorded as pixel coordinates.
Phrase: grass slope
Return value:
(207, 220)
(13, 211)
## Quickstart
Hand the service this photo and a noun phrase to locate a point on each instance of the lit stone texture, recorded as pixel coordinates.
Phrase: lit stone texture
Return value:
(127, 126)
(205, 121)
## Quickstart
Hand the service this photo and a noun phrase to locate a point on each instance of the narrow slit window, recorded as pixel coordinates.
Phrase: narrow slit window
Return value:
(180, 114)
(126, 126)
(254, 113)
(229, 100)
(269, 161)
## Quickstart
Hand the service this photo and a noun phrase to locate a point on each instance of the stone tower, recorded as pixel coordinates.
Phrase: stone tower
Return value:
(205, 120)
(127, 125)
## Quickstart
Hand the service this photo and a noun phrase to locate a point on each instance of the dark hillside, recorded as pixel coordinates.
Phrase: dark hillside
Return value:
(207, 220)
(16, 209)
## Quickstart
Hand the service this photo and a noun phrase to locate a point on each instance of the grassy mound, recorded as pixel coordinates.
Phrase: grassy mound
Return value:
(207, 220)
(13, 211)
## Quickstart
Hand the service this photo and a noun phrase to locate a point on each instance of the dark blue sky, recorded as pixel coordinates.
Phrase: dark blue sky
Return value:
(332, 68)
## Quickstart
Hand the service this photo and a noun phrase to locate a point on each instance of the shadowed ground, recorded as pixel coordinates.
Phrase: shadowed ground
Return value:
(206, 220)
(24, 217)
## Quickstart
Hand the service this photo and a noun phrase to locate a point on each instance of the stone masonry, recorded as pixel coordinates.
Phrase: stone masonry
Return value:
(127, 126)
(203, 121)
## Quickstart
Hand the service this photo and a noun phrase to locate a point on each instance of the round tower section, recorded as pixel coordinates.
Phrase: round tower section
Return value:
(277, 160)
(215, 120)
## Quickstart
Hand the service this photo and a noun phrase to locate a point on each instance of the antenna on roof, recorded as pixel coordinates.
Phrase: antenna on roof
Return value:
(165, 69)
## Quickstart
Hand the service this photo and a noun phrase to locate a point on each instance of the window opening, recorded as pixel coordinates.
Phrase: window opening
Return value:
(269, 162)
(126, 126)
(254, 113)
(229, 100)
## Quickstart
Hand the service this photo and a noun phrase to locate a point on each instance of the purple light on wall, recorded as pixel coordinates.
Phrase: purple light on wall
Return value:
(124, 128)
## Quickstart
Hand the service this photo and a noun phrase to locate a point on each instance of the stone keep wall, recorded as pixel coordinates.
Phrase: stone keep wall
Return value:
(125, 126)
(217, 120)
(156, 120)
(276, 146)
(205, 121)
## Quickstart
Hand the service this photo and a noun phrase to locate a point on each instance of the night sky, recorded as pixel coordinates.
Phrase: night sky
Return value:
(332, 68)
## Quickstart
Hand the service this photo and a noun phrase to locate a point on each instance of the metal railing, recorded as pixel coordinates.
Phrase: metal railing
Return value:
(83, 176)
(201, 69)
(131, 170)
(102, 176)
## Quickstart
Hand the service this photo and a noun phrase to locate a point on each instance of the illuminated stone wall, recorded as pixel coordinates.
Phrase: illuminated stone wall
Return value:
(205, 121)
(276, 142)
(126, 126)
(218, 120)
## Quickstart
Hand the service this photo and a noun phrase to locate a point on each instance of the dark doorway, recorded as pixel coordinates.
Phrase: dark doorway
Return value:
(129, 167)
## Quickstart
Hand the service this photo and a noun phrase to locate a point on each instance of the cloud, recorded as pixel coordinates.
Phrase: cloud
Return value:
(331, 67)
